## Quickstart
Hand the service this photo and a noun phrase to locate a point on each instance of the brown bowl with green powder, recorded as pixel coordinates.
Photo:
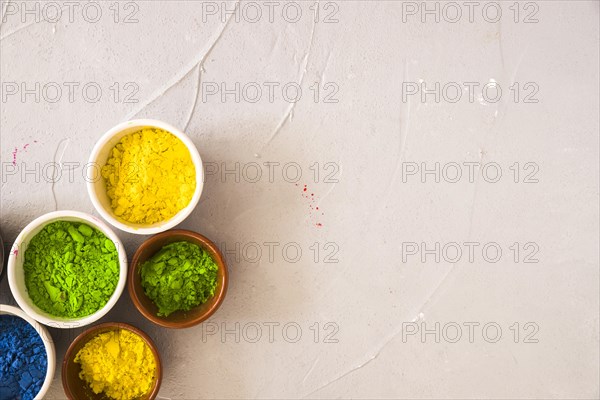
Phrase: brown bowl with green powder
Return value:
(178, 279)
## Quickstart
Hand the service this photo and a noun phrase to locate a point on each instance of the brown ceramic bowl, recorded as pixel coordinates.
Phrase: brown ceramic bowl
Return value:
(178, 319)
(75, 388)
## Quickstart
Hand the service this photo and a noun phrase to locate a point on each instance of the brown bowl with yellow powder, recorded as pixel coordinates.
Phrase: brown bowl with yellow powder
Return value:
(144, 176)
(112, 361)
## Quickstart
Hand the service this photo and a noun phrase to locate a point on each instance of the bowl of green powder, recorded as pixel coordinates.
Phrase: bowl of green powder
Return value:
(67, 269)
(178, 279)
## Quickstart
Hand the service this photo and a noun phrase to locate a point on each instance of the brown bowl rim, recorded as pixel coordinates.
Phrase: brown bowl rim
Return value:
(115, 325)
(222, 265)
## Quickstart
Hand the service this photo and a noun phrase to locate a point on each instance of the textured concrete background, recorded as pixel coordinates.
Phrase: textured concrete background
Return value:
(363, 297)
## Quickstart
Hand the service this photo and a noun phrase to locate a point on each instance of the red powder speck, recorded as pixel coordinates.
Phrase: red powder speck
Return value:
(14, 154)
(312, 205)
(16, 252)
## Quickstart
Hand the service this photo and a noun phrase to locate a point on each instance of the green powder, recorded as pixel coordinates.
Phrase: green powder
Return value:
(179, 277)
(71, 269)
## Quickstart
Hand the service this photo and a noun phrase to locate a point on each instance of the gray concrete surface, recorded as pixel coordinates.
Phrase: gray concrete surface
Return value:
(364, 297)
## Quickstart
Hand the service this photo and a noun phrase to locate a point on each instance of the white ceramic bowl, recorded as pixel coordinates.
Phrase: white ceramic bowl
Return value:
(97, 187)
(48, 344)
(16, 274)
(1, 258)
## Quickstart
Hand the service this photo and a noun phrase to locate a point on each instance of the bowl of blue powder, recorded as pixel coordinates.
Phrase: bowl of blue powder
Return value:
(27, 356)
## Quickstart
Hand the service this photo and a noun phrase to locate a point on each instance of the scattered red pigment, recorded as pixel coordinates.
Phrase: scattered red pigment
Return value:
(312, 207)
(16, 150)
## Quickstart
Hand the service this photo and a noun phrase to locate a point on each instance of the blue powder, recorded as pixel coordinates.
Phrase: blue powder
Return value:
(23, 361)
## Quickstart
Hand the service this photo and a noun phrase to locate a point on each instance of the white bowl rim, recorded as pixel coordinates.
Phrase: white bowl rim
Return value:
(177, 218)
(5, 309)
(45, 318)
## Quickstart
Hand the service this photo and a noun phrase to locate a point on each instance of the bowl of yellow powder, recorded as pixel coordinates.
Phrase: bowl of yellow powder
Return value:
(67, 269)
(112, 361)
(144, 176)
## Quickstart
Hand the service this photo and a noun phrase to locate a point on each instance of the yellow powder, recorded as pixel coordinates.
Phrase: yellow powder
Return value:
(149, 176)
(118, 363)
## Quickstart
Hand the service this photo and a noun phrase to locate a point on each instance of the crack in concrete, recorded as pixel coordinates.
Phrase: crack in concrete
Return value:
(314, 364)
(193, 109)
(20, 28)
(184, 72)
(289, 111)
(404, 132)
(58, 162)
